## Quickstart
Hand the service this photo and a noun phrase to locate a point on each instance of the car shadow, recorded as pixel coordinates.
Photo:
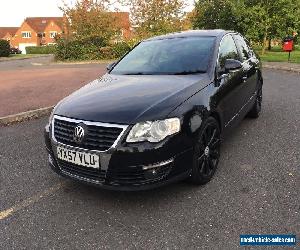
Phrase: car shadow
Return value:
(178, 189)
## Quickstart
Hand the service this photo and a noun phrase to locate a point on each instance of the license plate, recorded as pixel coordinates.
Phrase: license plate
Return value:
(78, 158)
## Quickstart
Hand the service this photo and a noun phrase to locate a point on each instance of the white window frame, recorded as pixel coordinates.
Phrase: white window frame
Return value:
(26, 34)
(51, 34)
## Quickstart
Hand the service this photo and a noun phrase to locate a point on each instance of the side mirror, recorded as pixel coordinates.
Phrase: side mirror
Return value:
(232, 64)
(110, 66)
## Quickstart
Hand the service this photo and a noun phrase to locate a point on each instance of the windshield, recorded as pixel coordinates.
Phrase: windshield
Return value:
(189, 55)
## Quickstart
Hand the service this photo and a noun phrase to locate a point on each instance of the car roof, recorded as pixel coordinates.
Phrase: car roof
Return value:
(192, 33)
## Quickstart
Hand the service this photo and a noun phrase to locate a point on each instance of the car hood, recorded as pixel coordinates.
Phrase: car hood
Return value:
(127, 99)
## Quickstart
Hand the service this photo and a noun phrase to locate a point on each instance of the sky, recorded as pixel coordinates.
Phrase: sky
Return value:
(13, 12)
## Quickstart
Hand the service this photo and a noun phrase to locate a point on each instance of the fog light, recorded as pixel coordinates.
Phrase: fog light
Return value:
(157, 165)
(152, 173)
(155, 170)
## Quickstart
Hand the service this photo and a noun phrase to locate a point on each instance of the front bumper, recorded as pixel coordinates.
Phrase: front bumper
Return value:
(138, 166)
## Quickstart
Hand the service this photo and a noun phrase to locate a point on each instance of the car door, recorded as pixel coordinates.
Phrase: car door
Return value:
(229, 83)
(249, 78)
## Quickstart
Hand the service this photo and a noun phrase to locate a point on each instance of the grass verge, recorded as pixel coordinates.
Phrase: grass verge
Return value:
(277, 55)
(20, 56)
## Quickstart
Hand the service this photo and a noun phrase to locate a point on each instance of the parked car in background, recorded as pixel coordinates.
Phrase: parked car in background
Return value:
(159, 114)
(15, 51)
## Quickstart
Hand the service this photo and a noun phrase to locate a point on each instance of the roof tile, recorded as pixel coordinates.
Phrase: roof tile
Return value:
(10, 30)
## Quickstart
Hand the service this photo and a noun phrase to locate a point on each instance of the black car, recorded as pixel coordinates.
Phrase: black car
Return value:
(15, 51)
(159, 114)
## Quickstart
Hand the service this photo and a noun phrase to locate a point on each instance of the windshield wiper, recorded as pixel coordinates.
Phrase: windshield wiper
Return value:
(137, 74)
(169, 73)
(190, 72)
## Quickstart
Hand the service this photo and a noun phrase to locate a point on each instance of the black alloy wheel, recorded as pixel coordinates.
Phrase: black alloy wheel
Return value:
(206, 152)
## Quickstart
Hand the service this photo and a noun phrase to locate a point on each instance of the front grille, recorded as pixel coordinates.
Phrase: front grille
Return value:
(97, 137)
(79, 172)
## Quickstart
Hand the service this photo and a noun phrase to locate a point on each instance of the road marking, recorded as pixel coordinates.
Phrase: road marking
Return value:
(25, 203)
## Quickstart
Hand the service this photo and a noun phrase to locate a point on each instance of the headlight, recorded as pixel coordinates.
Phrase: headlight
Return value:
(153, 131)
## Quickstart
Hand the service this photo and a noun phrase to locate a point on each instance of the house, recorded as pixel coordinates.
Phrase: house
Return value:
(7, 33)
(123, 22)
(37, 31)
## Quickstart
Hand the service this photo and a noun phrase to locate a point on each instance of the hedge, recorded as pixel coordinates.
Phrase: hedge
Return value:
(89, 49)
(120, 49)
(48, 49)
(4, 48)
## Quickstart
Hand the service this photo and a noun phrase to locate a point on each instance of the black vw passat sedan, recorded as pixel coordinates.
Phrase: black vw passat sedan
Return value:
(159, 113)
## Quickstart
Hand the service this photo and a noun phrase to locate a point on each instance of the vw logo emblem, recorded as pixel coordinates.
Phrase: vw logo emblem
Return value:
(78, 134)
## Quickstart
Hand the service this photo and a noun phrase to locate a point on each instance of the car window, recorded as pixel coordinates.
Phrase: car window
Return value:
(227, 50)
(182, 55)
(242, 47)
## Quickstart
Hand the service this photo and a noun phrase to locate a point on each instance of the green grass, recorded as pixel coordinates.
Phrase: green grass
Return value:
(277, 55)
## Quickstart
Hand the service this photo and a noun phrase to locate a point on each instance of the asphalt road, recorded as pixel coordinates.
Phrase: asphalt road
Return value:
(36, 83)
(255, 191)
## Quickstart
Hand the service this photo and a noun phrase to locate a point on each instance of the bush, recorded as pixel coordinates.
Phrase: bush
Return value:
(4, 48)
(120, 49)
(96, 41)
(48, 49)
(107, 53)
(75, 50)
(87, 49)
(93, 48)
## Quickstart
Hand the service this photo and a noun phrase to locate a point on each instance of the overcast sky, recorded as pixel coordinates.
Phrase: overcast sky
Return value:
(13, 12)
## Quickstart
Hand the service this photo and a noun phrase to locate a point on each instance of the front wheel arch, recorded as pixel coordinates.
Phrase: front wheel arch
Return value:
(217, 117)
(260, 78)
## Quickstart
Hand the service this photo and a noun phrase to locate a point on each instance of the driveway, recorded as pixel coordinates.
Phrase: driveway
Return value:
(255, 191)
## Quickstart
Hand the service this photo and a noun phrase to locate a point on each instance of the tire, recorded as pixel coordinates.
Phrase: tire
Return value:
(206, 152)
(256, 109)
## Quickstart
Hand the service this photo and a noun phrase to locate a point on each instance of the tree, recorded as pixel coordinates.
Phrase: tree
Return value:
(90, 19)
(155, 17)
(258, 20)
(4, 48)
(217, 14)
(269, 19)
